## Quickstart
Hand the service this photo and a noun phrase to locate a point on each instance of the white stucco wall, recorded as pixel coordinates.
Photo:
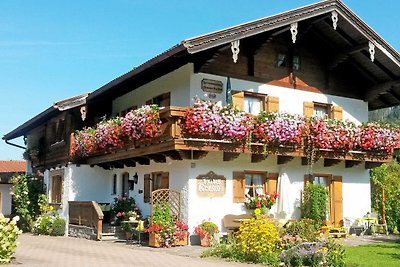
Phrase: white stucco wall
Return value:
(95, 183)
(176, 82)
(5, 190)
(356, 188)
(290, 100)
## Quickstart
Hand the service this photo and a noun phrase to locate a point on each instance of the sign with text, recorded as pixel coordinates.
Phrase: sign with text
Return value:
(211, 86)
(211, 185)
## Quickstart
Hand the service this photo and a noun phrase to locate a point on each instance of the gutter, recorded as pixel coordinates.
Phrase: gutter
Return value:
(11, 144)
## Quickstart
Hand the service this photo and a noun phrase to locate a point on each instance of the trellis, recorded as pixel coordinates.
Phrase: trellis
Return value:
(167, 196)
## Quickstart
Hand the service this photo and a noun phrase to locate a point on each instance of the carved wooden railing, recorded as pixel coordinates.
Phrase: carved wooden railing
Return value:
(87, 213)
(171, 131)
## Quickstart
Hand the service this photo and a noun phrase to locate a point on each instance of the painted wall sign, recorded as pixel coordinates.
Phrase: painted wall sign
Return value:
(211, 185)
(211, 86)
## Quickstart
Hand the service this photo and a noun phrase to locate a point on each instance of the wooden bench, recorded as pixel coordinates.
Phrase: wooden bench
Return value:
(232, 223)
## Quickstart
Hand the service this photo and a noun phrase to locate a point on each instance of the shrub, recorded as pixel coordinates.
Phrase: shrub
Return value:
(315, 202)
(49, 224)
(9, 233)
(305, 229)
(335, 255)
(206, 228)
(258, 239)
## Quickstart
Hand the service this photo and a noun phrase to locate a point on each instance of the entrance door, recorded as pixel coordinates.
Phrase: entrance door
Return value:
(125, 185)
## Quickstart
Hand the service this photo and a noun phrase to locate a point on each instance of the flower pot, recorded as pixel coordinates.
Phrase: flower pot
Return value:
(128, 235)
(182, 242)
(154, 240)
(206, 241)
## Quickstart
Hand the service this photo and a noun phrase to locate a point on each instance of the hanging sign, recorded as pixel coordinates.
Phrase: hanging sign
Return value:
(211, 185)
(211, 86)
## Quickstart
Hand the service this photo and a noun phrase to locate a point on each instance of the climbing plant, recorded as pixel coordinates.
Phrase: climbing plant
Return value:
(315, 202)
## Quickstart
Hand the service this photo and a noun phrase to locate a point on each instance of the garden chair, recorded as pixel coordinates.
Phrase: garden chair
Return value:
(376, 226)
(356, 226)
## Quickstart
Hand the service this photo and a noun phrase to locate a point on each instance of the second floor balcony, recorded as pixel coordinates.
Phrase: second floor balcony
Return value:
(150, 133)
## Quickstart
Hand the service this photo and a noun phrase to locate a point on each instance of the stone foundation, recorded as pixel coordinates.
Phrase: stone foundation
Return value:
(81, 231)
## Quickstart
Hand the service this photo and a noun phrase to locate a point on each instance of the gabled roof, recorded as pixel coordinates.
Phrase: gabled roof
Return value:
(12, 166)
(202, 42)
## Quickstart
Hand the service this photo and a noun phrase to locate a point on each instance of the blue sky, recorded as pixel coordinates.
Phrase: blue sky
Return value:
(50, 50)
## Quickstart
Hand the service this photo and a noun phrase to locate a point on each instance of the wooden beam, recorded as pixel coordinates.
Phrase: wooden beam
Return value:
(228, 156)
(381, 66)
(367, 74)
(158, 158)
(173, 154)
(331, 162)
(352, 163)
(374, 91)
(192, 154)
(343, 56)
(255, 158)
(142, 160)
(117, 164)
(128, 162)
(284, 159)
(394, 94)
(371, 165)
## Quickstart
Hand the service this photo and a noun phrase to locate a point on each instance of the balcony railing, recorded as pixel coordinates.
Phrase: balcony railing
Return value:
(173, 135)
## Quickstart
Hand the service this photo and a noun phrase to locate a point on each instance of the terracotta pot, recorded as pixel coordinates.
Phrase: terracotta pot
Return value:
(206, 241)
(182, 242)
(154, 240)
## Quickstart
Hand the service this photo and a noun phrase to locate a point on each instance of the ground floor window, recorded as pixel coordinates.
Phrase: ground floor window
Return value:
(253, 183)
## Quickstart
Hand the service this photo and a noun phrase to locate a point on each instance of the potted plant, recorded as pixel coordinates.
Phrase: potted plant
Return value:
(127, 228)
(206, 231)
(261, 203)
(161, 227)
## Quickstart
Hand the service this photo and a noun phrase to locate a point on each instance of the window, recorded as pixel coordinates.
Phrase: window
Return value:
(57, 131)
(322, 110)
(114, 185)
(163, 100)
(254, 103)
(123, 113)
(125, 185)
(253, 183)
(283, 62)
(56, 189)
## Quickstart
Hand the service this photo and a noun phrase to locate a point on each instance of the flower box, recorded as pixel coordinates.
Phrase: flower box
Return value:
(154, 240)
(182, 242)
(206, 241)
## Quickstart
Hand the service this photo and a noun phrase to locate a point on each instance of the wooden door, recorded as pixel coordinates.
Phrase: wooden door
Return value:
(125, 185)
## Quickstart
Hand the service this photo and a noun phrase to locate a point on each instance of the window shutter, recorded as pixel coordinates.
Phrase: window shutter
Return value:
(146, 190)
(272, 104)
(308, 109)
(238, 187)
(337, 113)
(238, 100)
(337, 201)
(165, 180)
(272, 183)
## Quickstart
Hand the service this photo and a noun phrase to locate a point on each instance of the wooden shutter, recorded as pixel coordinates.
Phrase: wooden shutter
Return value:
(238, 100)
(308, 109)
(239, 185)
(56, 189)
(306, 180)
(272, 104)
(146, 190)
(337, 113)
(337, 200)
(272, 183)
(165, 180)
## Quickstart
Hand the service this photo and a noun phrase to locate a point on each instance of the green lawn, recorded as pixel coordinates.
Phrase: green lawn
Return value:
(382, 255)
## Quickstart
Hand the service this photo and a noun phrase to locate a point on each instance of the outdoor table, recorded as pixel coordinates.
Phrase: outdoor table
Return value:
(137, 233)
(241, 220)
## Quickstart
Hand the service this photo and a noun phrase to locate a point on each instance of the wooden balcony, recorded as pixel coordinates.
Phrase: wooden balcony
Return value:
(173, 144)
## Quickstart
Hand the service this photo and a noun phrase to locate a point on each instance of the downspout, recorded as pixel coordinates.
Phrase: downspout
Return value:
(11, 144)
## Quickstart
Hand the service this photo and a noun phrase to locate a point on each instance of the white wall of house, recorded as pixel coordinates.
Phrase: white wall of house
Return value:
(5, 201)
(176, 82)
(356, 188)
(290, 100)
